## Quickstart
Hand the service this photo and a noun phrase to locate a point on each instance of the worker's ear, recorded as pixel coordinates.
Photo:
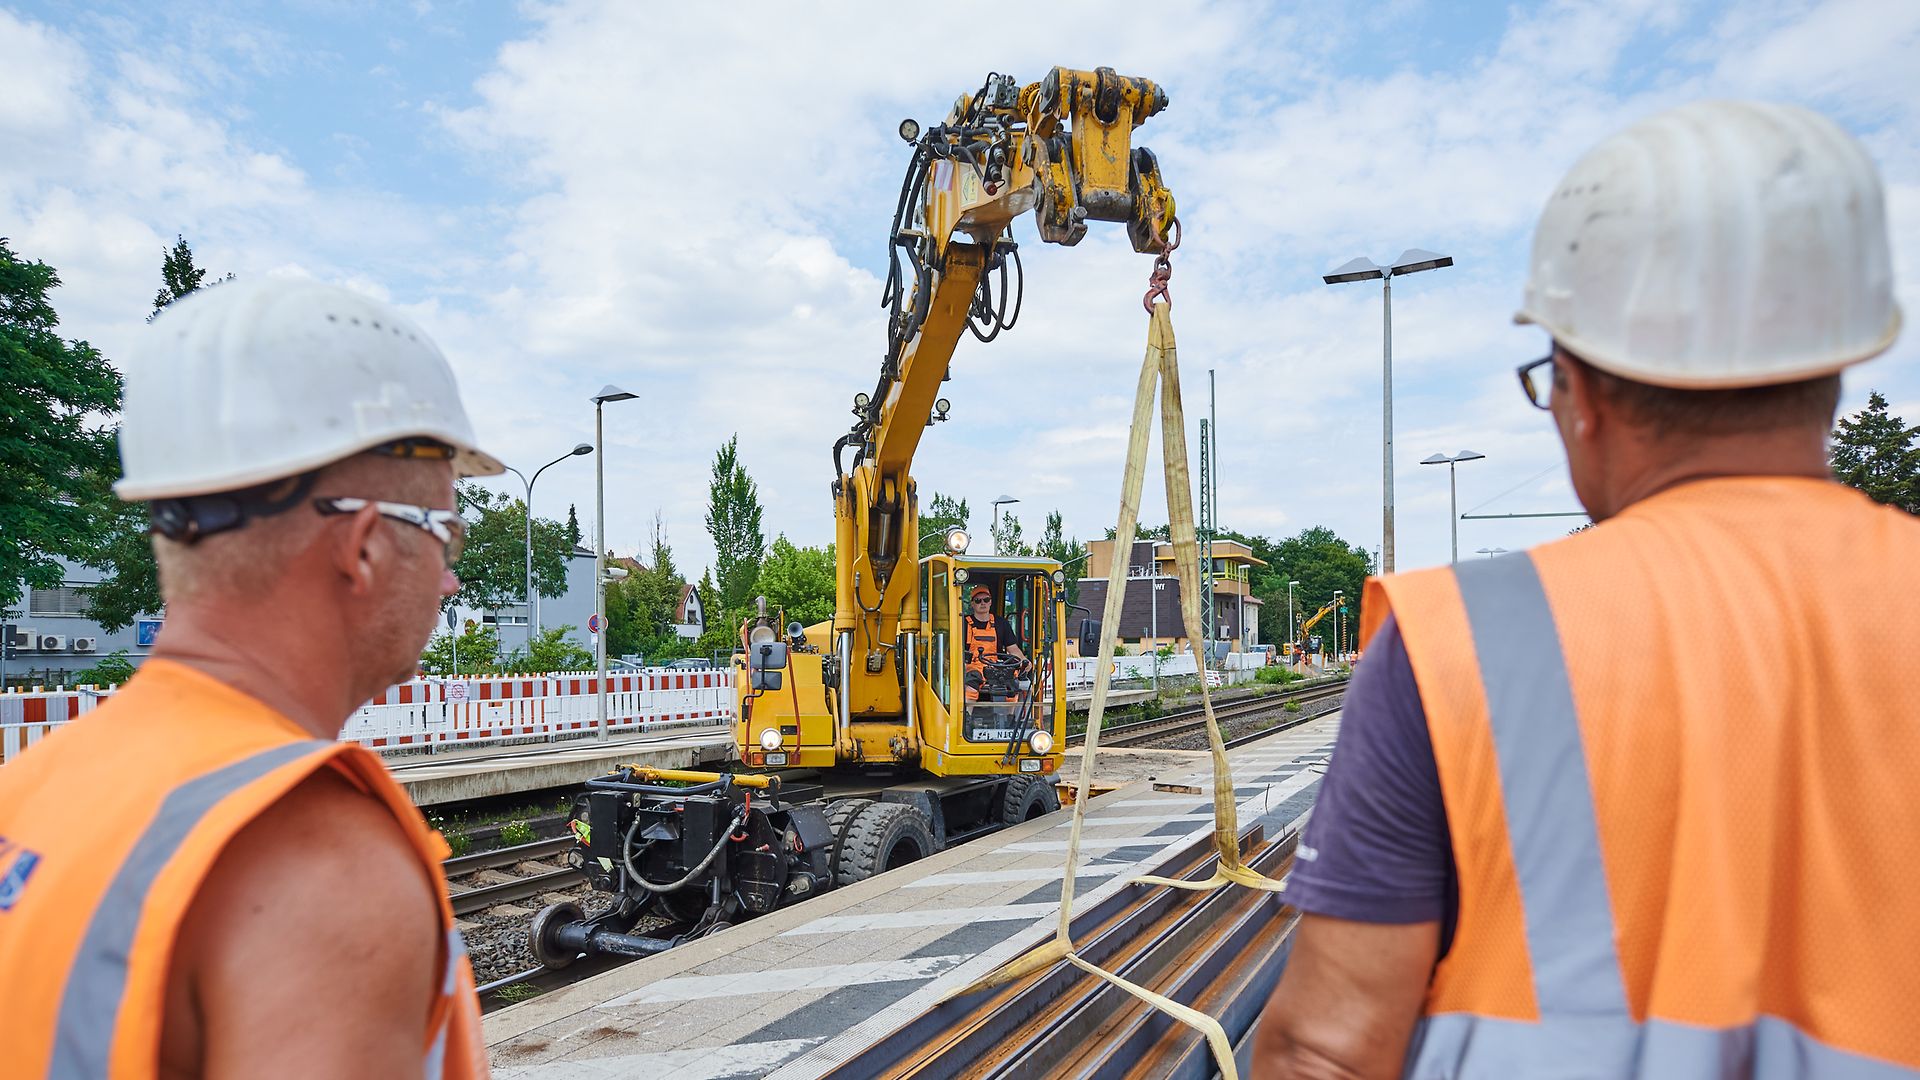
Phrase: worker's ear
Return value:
(359, 548)
(1579, 408)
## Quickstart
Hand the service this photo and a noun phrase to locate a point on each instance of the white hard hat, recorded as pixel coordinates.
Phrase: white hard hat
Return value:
(1719, 244)
(249, 382)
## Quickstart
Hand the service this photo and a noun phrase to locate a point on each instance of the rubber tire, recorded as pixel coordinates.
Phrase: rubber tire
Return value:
(1026, 798)
(875, 838)
(840, 815)
(544, 953)
(676, 905)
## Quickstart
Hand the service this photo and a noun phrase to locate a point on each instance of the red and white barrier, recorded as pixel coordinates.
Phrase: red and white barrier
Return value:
(455, 710)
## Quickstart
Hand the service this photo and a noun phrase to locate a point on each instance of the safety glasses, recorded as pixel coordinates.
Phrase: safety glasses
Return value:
(446, 526)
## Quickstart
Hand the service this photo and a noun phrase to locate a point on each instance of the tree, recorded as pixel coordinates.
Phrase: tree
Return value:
(54, 445)
(1069, 553)
(573, 526)
(1322, 563)
(942, 514)
(132, 585)
(1143, 532)
(1874, 451)
(1006, 537)
(479, 652)
(550, 650)
(799, 581)
(640, 608)
(733, 520)
(493, 566)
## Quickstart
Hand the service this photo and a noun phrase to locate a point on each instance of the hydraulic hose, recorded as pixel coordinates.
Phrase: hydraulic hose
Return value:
(626, 857)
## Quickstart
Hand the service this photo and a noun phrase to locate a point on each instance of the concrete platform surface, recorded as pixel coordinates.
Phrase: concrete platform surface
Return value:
(480, 772)
(796, 992)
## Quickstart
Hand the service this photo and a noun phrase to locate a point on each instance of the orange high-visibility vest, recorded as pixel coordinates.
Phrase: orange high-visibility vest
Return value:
(108, 828)
(982, 642)
(1680, 757)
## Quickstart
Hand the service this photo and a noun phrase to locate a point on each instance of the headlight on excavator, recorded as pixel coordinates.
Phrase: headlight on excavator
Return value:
(957, 541)
(770, 739)
(1041, 741)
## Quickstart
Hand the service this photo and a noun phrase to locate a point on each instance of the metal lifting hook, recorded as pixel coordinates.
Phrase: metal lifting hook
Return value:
(1162, 271)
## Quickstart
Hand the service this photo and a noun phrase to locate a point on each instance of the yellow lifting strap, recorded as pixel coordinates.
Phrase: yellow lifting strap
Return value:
(1161, 365)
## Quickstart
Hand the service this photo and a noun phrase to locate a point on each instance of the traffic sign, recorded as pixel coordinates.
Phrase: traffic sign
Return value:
(145, 631)
(457, 691)
(595, 623)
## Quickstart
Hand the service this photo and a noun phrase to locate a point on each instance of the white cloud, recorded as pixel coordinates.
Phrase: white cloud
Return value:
(690, 202)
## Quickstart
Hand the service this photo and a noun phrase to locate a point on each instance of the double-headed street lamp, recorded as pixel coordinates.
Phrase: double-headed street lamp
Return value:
(607, 393)
(1411, 261)
(1491, 552)
(532, 598)
(1453, 490)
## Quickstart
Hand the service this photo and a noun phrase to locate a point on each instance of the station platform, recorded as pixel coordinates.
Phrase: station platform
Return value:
(478, 772)
(795, 993)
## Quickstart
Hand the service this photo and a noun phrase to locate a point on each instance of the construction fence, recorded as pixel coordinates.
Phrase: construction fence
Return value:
(461, 710)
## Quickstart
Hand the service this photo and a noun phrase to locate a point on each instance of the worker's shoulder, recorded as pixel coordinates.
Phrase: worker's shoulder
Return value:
(329, 849)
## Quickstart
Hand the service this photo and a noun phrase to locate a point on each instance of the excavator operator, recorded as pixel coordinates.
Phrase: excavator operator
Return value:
(988, 638)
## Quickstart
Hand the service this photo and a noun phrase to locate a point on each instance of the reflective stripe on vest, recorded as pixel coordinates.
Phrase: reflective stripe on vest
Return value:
(1585, 1027)
(449, 983)
(97, 984)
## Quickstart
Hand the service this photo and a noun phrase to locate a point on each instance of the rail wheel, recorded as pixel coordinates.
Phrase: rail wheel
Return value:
(881, 837)
(540, 935)
(1027, 798)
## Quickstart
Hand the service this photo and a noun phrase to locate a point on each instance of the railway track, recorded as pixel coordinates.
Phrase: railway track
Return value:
(470, 898)
(1188, 721)
(1219, 952)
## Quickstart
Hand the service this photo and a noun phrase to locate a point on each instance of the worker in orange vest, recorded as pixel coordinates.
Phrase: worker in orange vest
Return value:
(1584, 817)
(986, 636)
(197, 878)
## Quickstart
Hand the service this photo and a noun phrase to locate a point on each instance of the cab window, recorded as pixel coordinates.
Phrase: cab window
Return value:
(937, 606)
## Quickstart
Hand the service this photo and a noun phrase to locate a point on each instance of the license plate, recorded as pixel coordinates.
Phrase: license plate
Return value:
(1029, 765)
(776, 759)
(991, 734)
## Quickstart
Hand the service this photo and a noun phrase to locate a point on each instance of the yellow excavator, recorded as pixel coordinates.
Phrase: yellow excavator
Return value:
(1300, 643)
(892, 731)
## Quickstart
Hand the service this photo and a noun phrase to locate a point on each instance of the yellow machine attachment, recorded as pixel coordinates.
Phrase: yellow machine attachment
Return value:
(878, 684)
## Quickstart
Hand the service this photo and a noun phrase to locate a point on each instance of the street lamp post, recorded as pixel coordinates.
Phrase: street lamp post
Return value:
(1453, 490)
(607, 393)
(1411, 261)
(530, 598)
(995, 527)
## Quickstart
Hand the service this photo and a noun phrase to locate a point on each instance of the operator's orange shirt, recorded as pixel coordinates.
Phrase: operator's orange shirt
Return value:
(109, 826)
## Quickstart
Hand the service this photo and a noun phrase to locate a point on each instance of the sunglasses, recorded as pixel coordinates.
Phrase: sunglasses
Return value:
(1536, 381)
(446, 526)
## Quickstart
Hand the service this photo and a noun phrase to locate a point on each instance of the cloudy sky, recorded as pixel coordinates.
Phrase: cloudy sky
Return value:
(691, 202)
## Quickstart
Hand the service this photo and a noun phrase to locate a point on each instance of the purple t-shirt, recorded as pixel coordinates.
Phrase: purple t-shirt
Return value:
(1377, 847)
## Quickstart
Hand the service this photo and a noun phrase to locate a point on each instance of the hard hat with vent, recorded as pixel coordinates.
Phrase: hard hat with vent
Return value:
(1719, 244)
(980, 591)
(251, 382)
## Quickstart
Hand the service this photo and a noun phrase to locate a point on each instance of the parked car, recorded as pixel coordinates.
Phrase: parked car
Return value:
(694, 663)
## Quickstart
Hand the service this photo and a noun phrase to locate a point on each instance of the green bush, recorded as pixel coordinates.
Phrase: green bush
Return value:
(110, 670)
(1291, 706)
(458, 843)
(516, 833)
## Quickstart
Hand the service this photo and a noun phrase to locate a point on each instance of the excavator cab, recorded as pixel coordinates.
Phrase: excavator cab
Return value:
(983, 709)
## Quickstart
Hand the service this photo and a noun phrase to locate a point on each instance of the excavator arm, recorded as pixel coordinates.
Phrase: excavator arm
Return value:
(1061, 148)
